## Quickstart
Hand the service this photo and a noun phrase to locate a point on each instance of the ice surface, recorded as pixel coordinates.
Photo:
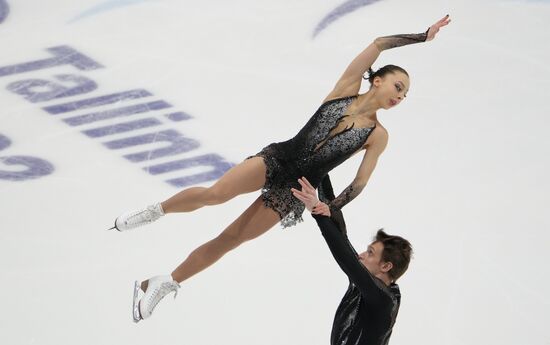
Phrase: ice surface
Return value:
(464, 177)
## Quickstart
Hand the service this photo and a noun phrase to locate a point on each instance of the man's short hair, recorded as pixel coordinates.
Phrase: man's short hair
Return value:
(397, 250)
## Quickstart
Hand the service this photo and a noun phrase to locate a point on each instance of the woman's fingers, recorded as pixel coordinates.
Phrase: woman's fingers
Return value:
(434, 29)
(444, 21)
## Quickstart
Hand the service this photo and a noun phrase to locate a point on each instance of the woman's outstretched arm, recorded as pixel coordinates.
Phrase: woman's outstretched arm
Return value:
(350, 82)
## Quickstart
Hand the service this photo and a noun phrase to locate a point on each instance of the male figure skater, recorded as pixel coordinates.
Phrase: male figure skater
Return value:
(369, 308)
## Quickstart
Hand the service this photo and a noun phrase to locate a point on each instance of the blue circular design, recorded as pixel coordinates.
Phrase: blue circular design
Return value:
(4, 10)
(105, 6)
(340, 11)
(4, 142)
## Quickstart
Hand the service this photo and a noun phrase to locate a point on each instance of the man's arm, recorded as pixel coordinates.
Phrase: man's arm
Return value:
(347, 259)
(326, 195)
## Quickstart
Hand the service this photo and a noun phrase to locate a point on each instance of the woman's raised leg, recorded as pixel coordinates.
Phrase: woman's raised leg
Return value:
(246, 177)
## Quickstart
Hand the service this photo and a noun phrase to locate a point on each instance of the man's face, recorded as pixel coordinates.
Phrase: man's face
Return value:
(372, 258)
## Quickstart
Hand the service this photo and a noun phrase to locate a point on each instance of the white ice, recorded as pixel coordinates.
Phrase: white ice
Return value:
(465, 176)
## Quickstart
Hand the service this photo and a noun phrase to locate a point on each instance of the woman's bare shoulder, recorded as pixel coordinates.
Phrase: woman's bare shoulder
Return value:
(378, 138)
(382, 131)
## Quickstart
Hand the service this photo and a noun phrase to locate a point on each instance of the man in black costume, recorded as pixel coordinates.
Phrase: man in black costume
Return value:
(369, 308)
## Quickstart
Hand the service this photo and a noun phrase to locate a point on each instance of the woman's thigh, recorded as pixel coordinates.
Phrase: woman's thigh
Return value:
(246, 177)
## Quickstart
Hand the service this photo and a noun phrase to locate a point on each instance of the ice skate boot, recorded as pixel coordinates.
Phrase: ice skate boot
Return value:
(157, 288)
(131, 220)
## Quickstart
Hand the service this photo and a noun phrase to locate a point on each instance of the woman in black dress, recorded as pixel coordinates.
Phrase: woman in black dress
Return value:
(344, 124)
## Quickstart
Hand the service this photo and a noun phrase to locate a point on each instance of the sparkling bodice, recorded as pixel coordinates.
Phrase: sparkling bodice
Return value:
(314, 151)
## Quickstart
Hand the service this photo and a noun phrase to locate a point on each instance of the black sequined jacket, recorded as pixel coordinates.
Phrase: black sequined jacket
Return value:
(368, 310)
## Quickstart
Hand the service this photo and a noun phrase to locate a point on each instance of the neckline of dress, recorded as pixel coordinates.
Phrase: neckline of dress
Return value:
(338, 99)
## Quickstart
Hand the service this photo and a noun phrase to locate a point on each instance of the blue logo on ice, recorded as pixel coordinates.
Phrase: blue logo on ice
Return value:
(340, 11)
(4, 10)
(105, 7)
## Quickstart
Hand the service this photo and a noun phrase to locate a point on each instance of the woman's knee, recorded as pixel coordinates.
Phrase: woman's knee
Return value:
(231, 240)
(217, 195)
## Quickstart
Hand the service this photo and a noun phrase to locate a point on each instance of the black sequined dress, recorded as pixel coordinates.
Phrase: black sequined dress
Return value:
(312, 153)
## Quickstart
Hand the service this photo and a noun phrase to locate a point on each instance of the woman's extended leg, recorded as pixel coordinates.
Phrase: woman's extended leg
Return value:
(255, 221)
(246, 177)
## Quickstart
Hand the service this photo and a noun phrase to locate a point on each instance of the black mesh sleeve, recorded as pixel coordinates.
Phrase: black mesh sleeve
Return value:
(394, 41)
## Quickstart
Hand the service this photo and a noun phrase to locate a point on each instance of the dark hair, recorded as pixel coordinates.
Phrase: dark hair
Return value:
(397, 250)
(383, 71)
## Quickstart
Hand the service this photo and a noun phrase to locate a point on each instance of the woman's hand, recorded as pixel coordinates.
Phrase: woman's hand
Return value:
(308, 196)
(434, 29)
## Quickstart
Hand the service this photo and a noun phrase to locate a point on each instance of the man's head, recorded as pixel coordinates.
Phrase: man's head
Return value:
(387, 255)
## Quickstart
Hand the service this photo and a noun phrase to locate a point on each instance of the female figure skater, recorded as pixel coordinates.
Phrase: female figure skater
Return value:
(344, 124)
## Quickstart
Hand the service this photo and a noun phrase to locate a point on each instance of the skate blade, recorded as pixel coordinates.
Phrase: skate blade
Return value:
(114, 228)
(136, 315)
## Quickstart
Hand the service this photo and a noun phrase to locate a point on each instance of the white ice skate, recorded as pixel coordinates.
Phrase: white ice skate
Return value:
(131, 220)
(157, 288)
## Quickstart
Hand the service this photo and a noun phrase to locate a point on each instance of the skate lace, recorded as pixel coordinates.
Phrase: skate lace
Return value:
(161, 291)
(137, 217)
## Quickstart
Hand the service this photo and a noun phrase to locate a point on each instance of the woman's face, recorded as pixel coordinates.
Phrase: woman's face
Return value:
(391, 89)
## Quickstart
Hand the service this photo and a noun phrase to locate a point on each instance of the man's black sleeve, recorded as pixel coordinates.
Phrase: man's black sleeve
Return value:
(347, 259)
